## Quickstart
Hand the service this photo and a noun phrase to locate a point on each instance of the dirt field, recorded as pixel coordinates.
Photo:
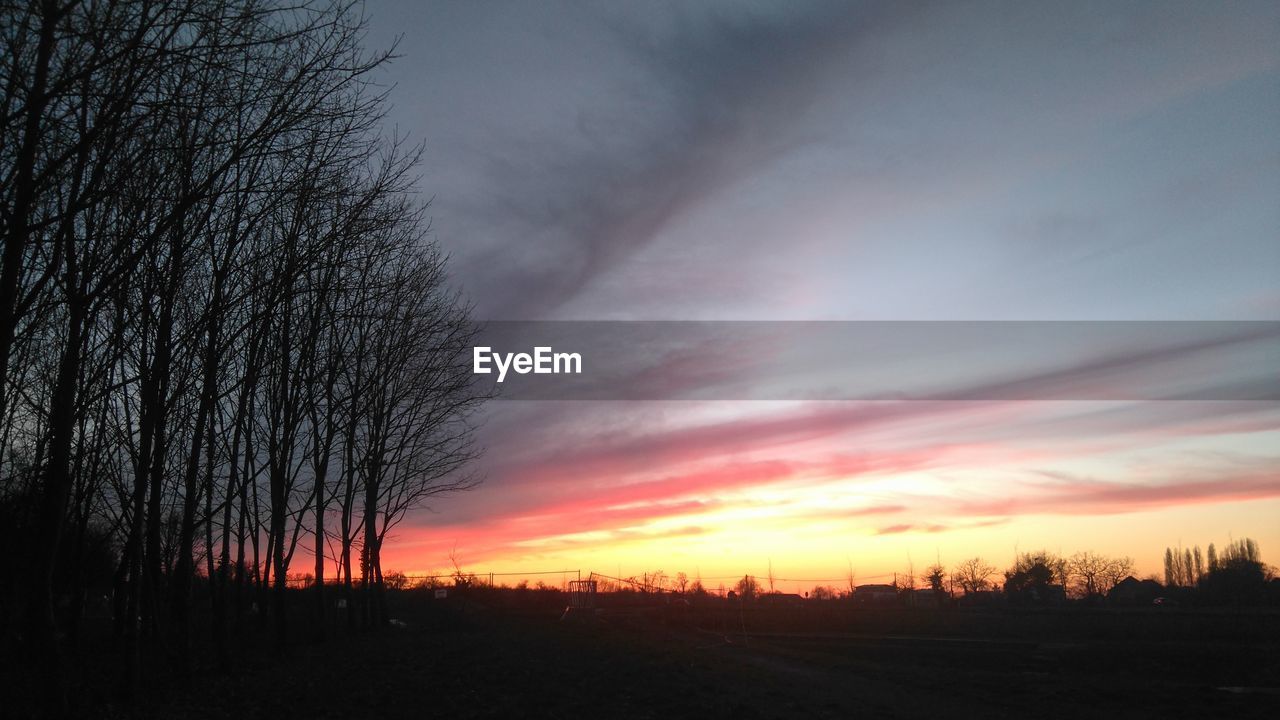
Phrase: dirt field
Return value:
(518, 660)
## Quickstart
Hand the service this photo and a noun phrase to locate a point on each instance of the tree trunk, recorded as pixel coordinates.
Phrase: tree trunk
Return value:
(42, 625)
(17, 237)
(183, 576)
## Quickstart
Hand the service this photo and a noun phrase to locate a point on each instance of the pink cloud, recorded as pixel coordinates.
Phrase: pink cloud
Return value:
(1090, 497)
(909, 527)
(620, 479)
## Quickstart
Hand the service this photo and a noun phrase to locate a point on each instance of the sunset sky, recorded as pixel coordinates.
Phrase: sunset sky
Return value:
(849, 161)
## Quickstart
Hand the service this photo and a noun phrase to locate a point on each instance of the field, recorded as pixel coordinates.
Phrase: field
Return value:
(508, 654)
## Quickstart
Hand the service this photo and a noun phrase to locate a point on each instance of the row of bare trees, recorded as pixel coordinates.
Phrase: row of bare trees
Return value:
(223, 335)
(1186, 567)
(1234, 574)
(1085, 574)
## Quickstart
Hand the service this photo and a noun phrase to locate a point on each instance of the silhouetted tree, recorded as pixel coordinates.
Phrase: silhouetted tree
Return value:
(747, 588)
(824, 592)
(1093, 575)
(1183, 567)
(973, 575)
(1034, 576)
(936, 578)
(1238, 577)
(220, 319)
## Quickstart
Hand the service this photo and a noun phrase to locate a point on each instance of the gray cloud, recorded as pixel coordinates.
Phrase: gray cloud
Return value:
(674, 103)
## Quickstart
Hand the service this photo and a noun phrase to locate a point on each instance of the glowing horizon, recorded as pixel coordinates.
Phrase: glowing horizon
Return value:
(931, 482)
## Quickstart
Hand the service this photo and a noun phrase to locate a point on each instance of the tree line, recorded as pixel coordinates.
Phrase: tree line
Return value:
(1086, 574)
(224, 333)
(1236, 574)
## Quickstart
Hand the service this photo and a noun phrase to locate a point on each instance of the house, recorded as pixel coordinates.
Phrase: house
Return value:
(875, 594)
(1132, 591)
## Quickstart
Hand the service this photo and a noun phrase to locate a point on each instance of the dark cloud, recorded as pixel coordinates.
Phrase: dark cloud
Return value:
(687, 99)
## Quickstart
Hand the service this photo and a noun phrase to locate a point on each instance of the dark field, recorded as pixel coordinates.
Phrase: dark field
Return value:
(507, 655)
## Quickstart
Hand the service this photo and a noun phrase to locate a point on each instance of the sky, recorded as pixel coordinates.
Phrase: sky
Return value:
(849, 162)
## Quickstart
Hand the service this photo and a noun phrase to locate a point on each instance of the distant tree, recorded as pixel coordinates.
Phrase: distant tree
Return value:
(1035, 571)
(1241, 551)
(653, 581)
(681, 583)
(935, 578)
(973, 575)
(696, 587)
(1183, 567)
(824, 592)
(1093, 575)
(1238, 576)
(747, 588)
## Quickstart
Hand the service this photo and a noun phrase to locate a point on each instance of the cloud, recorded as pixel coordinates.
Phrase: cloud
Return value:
(611, 538)
(565, 170)
(863, 511)
(597, 455)
(910, 528)
(1082, 496)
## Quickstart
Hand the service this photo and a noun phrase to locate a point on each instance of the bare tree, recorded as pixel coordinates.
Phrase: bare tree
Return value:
(1093, 575)
(973, 575)
(220, 319)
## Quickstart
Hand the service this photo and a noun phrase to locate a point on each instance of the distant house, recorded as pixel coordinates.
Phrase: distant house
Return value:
(875, 594)
(1132, 591)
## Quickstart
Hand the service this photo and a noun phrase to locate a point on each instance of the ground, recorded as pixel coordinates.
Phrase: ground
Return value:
(478, 657)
